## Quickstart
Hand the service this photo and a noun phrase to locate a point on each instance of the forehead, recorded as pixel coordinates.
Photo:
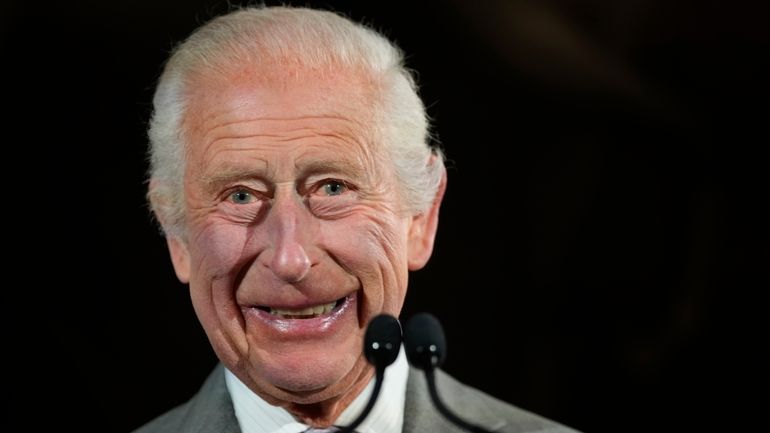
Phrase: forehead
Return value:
(298, 112)
(283, 101)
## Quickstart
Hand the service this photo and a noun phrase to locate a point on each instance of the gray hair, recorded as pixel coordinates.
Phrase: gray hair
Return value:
(309, 38)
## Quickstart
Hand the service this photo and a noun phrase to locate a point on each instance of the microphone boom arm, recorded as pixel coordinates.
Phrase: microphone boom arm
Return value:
(425, 346)
(430, 377)
(379, 376)
(382, 343)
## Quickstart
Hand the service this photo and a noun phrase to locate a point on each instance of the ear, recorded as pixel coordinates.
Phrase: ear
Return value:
(180, 256)
(422, 229)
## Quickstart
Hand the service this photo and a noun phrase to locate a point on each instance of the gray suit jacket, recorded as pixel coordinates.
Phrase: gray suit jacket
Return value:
(211, 410)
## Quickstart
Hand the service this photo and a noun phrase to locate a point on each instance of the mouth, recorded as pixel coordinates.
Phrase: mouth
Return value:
(308, 312)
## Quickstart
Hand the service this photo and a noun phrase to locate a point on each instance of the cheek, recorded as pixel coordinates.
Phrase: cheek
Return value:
(363, 242)
(373, 249)
(217, 250)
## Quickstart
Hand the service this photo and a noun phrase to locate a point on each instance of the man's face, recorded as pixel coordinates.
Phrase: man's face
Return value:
(296, 233)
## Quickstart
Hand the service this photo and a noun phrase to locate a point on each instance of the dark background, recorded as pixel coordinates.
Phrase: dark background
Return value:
(599, 258)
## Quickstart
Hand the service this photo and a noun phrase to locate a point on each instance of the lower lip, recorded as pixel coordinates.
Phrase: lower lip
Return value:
(302, 328)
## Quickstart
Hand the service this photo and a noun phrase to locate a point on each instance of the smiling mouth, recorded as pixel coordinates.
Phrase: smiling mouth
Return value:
(310, 312)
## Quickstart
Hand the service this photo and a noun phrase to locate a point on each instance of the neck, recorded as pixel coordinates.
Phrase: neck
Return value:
(324, 413)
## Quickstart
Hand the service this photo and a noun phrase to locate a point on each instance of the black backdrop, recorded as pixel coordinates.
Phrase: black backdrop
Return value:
(598, 247)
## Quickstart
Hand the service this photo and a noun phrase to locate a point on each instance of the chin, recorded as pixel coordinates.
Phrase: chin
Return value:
(308, 379)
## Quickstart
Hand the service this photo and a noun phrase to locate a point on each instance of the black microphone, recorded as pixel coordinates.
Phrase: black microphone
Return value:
(382, 342)
(425, 346)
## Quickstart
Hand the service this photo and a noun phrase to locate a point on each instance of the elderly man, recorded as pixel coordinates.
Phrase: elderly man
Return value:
(293, 180)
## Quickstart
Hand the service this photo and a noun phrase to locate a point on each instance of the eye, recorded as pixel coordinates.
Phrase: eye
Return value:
(242, 196)
(334, 187)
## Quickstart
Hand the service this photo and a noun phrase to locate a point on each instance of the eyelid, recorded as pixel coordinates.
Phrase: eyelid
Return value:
(318, 185)
(327, 180)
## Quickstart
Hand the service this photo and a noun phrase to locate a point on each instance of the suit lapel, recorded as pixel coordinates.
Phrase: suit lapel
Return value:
(211, 410)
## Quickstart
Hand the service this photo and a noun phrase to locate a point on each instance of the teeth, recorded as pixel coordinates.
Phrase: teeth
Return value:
(308, 311)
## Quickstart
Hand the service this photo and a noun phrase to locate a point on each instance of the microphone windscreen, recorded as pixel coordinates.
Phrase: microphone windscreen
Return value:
(382, 340)
(424, 341)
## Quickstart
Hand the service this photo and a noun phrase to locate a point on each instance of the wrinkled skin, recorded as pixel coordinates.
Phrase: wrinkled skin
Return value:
(291, 203)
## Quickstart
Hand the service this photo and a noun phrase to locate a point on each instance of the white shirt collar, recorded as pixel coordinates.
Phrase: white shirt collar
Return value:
(387, 416)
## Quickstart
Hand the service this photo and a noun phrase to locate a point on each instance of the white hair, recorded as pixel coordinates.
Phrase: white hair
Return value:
(272, 36)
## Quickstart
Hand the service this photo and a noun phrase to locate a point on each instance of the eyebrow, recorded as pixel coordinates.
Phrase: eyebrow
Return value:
(332, 165)
(214, 182)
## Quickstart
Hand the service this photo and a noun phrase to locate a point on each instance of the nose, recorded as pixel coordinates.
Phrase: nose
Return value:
(290, 233)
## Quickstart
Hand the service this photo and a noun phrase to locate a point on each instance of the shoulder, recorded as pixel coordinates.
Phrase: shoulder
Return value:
(170, 421)
(470, 404)
(210, 410)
